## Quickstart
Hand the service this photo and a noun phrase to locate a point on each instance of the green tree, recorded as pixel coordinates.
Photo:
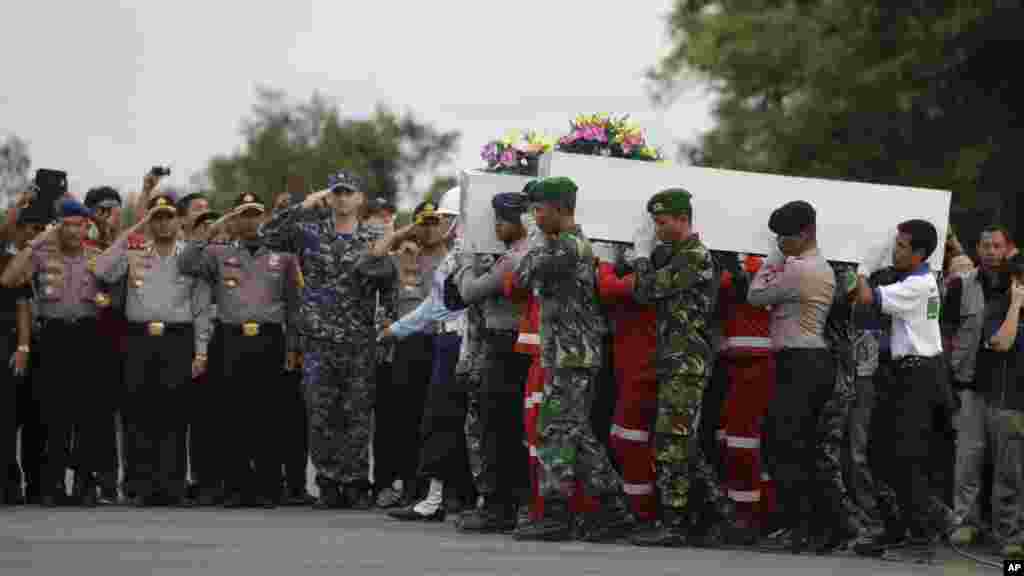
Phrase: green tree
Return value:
(15, 162)
(312, 140)
(441, 185)
(906, 93)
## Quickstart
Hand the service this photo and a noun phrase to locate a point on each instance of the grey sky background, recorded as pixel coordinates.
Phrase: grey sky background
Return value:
(106, 89)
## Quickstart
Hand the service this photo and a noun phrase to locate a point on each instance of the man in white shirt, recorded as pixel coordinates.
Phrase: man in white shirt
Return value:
(913, 393)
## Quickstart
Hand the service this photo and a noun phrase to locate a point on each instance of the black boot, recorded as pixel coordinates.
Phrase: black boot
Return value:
(668, 532)
(609, 524)
(494, 517)
(330, 497)
(556, 526)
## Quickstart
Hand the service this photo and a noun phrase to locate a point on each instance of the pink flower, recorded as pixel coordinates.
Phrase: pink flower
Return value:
(509, 158)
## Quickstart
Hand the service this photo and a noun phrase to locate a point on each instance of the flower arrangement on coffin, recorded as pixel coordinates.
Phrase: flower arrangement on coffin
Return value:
(602, 135)
(516, 153)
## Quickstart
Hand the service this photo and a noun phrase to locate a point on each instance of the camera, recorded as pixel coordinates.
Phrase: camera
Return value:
(51, 186)
(160, 171)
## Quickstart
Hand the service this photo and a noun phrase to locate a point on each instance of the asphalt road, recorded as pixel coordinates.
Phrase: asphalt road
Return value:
(118, 541)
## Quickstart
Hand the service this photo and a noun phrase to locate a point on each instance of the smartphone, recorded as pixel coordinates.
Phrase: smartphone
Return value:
(51, 186)
(160, 171)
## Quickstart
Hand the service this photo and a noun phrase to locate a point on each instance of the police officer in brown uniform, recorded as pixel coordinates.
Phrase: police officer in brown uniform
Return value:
(62, 270)
(169, 330)
(257, 293)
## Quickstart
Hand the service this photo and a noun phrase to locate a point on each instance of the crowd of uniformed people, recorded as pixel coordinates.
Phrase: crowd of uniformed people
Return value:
(657, 392)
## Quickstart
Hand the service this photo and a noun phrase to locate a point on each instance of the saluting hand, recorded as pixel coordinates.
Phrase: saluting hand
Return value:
(315, 199)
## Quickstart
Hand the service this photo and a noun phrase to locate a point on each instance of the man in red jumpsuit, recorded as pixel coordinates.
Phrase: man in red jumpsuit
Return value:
(633, 350)
(747, 355)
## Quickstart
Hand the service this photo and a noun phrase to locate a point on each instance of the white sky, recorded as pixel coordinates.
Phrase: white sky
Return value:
(106, 89)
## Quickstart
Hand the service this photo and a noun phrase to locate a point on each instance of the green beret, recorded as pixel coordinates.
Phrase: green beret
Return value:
(674, 202)
(556, 189)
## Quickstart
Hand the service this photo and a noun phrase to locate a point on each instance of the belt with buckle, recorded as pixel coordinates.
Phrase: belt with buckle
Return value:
(251, 329)
(155, 328)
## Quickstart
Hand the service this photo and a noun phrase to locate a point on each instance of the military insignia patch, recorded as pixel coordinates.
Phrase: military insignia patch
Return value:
(91, 265)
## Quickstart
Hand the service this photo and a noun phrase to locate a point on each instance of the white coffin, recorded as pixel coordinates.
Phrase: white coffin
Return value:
(731, 208)
(477, 213)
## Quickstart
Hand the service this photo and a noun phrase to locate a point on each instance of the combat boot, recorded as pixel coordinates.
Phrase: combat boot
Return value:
(555, 526)
(494, 517)
(668, 532)
(330, 497)
(609, 524)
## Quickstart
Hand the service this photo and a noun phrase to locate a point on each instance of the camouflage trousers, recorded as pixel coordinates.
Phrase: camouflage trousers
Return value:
(567, 448)
(831, 455)
(684, 472)
(339, 382)
(474, 428)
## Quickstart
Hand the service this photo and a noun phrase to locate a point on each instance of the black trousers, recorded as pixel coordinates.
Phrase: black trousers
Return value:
(158, 370)
(906, 413)
(33, 431)
(712, 405)
(294, 437)
(207, 417)
(445, 454)
(505, 457)
(398, 414)
(68, 402)
(108, 367)
(604, 397)
(252, 380)
(8, 418)
(805, 380)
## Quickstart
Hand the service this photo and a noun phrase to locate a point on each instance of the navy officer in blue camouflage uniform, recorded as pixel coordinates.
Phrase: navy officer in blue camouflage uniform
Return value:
(337, 310)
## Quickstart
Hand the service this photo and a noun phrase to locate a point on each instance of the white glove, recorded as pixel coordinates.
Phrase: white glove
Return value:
(877, 258)
(644, 238)
(775, 256)
(534, 235)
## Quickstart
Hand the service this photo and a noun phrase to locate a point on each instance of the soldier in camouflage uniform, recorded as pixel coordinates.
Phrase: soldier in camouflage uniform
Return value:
(563, 274)
(680, 280)
(846, 517)
(337, 310)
